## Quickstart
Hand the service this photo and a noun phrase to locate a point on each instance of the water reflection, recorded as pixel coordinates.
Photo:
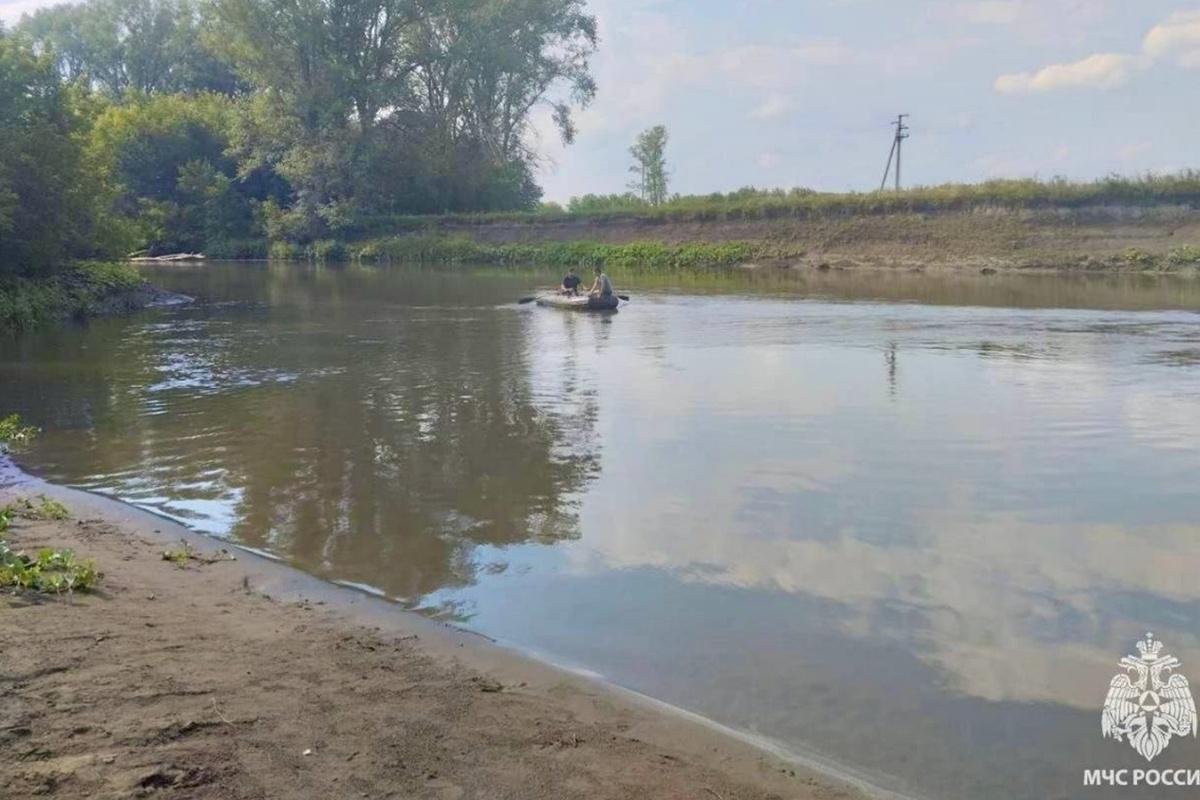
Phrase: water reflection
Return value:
(376, 443)
(912, 538)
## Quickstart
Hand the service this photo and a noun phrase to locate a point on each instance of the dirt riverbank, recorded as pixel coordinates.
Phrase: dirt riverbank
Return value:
(1092, 239)
(245, 679)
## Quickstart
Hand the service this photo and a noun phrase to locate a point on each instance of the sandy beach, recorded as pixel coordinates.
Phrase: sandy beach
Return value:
(243, 678)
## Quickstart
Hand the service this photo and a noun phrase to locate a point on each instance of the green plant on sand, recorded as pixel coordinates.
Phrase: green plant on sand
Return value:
(50, 571)
(186, 553)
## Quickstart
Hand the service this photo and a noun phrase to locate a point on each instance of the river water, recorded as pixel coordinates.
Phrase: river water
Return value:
(903, 524)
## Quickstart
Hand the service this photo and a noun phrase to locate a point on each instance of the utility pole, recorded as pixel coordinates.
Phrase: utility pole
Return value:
(897, 139)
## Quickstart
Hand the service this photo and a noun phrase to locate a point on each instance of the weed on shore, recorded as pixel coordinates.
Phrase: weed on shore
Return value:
(48, 570)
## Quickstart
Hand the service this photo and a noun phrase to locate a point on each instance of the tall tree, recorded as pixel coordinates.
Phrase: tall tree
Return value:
(650, 165)
(389, 105)
(122, 46)
(46, 212)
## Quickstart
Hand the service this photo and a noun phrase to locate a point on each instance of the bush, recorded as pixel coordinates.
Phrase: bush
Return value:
(74, 292)
(285, 251)
(327, 250)
(236, 249)
(14, 434)
(1185, 256)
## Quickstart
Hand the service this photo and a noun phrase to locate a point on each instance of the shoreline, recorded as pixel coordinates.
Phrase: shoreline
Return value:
(611, 742)
(1160, 239)
(78, 292)
(1107, 239)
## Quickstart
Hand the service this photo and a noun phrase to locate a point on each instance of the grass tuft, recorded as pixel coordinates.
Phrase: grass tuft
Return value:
(49, 571)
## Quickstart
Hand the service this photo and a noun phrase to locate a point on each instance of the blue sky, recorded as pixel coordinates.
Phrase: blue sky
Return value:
(775, 93)
(800, 93)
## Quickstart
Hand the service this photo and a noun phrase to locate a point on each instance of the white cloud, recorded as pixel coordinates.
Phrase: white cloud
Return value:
(1178, 37)
(775, 106)
(1099, 71)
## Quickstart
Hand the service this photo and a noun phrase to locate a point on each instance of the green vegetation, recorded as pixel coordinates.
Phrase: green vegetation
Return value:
(50, 571)
(130, 47)
(433, 249)
(1185, 256)
(74, 292)
(186, 553)
(313, 129)
(220, 125)
(14, 434)
(1181, 189)
(46, 508)
(179, 557)
(47, 212)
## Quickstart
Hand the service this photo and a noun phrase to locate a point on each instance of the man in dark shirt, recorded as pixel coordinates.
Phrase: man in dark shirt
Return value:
(570, 283)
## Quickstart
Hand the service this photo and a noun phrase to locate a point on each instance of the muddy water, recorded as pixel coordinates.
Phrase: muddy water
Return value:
(903, 524)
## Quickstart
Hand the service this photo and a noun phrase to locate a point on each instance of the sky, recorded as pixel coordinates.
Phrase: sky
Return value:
(783, 93)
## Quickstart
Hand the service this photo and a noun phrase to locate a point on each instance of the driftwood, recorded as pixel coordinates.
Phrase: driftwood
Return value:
(171, 257)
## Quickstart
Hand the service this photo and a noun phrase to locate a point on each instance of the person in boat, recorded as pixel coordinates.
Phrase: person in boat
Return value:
(603, 286)
(570, 283)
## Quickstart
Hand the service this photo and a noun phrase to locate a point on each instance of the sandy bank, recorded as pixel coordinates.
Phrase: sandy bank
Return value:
(246, 679)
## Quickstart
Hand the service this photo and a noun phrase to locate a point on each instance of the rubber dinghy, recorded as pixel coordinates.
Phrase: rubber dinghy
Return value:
(578, 302)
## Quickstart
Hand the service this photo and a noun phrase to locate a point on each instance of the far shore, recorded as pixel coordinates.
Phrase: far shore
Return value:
(1151, 240)
(248, 679)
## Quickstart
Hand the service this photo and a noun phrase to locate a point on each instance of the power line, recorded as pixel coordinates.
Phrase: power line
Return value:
(898, 137)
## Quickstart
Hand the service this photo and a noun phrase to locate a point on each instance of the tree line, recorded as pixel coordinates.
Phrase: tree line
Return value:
(214, 125)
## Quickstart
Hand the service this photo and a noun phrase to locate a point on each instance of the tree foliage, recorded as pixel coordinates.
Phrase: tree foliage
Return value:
(650, 165)
(123, 46)
(168, 173)
(46, 211)
(386, 106)
(205, 124)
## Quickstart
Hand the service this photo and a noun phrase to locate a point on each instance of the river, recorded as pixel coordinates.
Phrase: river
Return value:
(904, 525)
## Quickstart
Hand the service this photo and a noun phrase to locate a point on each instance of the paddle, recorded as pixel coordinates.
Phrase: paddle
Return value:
(531, 298)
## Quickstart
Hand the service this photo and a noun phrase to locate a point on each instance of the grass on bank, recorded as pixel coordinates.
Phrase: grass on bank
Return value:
(654, 255)
(76, 291)
(642, 254)
(1180, 189)
(1071, 200)
(463, 250)
(48, 570)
